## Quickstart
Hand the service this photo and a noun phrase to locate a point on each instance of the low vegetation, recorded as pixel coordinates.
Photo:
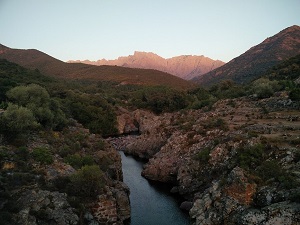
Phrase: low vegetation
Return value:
(45, 120)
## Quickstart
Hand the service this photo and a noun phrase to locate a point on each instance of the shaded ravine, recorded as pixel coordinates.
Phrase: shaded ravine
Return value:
(150, 204)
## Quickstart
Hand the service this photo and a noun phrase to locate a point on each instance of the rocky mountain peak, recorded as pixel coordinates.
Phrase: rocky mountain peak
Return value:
(184, 66)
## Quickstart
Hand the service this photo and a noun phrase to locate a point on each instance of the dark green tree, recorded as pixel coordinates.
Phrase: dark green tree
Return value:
(36, 98)
(17, 120)
(88, 181)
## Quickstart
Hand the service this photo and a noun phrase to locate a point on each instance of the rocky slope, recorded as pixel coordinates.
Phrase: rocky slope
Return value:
(41, 182)
(235, 164)
(257, 59)
(185, 66)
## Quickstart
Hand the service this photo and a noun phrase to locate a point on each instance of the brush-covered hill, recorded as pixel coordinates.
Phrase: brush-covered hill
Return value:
(48, 65)
(184, 66)
(257, 60)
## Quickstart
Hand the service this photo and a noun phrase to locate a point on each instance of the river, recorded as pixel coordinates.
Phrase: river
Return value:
(150, 203)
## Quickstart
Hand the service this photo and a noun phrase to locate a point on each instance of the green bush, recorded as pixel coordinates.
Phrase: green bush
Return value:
(250, 157)
(100, 145)
(269, 169)
(203, 156)
(16, 121)
(160, 99)
(216, 123)
(87, 182)
(264, 88)
(272, 170)
(22, 153)
(36, 98)
(77, 161)
(93, 111)
(227, 89)
(104, 162)
(294, 95)
(42, 155)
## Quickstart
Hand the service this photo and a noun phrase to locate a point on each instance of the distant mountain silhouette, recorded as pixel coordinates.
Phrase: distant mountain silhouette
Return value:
(257, 60)
(48, 65)
(185, 66)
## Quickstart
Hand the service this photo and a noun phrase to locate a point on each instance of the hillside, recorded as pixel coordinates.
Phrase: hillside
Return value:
(286, 70)
(185, 66)
(257, 59)
(48, 65)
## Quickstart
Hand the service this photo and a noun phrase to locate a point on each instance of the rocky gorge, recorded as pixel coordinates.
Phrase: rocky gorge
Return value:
(236, 163)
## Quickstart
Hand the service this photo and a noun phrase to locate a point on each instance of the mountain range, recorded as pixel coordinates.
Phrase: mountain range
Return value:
(157, 71)
(257, 60)
(34, 59)
(185, 66)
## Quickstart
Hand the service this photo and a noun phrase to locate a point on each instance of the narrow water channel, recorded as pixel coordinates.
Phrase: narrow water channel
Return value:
(150, 204)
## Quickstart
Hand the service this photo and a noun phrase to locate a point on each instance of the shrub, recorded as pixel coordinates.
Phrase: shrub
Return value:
(77, 161)
(160, 99)
(269, 169)
(17, 122)
(104, 162)
(42, 155)
(264, 88)
(94, 112)
(294, 95)
(272, 170)
(100, 144)
(203, 156)
(87, 182)
(250, 157)
(22, 153)
(216, 123)
(36, 98)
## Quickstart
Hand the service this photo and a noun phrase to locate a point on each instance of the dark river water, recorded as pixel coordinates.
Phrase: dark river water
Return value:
(150, 204)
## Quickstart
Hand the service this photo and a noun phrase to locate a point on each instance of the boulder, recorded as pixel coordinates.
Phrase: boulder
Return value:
(41, 207)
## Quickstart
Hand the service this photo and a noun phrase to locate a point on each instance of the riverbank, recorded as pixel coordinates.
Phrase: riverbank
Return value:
(151, 204)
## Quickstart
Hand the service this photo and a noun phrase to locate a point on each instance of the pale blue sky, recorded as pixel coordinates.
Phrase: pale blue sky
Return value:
(96, 29)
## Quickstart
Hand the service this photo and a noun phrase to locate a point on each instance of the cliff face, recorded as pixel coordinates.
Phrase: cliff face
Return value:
(186, 66)
(257, 60)
(235, 164)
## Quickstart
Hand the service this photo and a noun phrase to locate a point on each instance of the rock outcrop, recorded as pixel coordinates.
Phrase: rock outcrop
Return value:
(40, 207)
(234, 164)
(113, 206)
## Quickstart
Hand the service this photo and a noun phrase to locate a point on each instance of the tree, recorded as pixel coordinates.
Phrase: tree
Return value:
(264, 88)
(36, 98)
(17, 120)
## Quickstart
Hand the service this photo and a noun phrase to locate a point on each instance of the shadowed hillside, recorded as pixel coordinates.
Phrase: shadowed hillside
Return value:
(48, 65)
(257, 59)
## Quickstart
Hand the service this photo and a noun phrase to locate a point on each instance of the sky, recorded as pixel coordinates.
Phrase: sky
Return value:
(97, 29)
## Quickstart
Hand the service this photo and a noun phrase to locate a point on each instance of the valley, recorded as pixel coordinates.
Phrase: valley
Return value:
(230, 148)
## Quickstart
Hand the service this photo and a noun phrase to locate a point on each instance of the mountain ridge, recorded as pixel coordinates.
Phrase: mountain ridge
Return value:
(183, 66)
(258, 59)
(48, 65)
